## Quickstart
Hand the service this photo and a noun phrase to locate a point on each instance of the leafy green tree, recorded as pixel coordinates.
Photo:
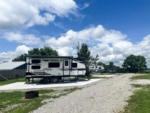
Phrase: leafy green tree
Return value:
(46, 51)
(134, 64)
(21, 58)
(84, 55)
(101, 63)
(34, 52)
(94, 60)
(111, 68)
(38, 52)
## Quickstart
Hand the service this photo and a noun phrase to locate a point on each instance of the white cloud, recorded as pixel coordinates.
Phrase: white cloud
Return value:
(28, 39)
(27, 13)
(85, 5)
(22, 49)
(7, 56)
(143, 48)
(62, 8)
(111, 45)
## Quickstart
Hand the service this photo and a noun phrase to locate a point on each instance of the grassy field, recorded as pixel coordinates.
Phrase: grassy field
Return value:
(140, 101)
(14, 102)
(142, 76)
(12, 81)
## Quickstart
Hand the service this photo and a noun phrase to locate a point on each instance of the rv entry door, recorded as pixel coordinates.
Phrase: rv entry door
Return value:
(66, 67)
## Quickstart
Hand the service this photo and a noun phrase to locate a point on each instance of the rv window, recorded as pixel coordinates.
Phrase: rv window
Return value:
(53, 65)
(36, 67)
(36, 61)
(74, 65)
(66, 63)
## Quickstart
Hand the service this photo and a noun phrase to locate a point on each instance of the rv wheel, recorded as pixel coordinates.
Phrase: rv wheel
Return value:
(60, 79)
(76, 78)
(27, 80)
(54, 79)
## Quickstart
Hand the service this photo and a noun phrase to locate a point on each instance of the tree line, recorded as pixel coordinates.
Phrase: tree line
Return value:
(132, 63)
(46, 51)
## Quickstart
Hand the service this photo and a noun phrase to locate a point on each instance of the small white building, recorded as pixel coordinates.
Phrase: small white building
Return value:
(10, 70)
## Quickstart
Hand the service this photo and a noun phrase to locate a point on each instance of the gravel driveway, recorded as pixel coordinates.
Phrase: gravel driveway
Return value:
(106, 96)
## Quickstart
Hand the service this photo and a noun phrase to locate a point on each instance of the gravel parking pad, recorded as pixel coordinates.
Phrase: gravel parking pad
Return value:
(106, 96)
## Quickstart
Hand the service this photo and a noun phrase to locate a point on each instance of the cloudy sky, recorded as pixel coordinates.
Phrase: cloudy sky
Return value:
(113, 29)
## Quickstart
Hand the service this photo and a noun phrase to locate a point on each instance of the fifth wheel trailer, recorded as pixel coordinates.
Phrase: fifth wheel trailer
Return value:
(54, 68)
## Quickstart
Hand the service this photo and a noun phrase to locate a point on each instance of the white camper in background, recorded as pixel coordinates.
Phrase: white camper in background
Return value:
(54, 68)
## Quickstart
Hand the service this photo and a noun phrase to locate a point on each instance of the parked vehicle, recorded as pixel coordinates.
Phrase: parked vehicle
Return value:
(54, 68)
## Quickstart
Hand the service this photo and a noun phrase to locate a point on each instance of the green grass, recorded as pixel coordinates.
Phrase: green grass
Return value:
(144, 76)
(14, 102)
(4, 82)
(140, 101)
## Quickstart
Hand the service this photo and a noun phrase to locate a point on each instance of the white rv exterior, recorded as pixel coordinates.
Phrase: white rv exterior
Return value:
(54, 67)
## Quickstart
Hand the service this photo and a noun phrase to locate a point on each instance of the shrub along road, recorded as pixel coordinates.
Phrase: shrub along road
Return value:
(106, 96)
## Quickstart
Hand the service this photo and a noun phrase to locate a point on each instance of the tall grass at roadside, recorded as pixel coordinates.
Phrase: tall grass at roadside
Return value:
(139, 102)
(142, 76)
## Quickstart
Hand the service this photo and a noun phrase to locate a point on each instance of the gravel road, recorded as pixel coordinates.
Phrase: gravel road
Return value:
(105, 96)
